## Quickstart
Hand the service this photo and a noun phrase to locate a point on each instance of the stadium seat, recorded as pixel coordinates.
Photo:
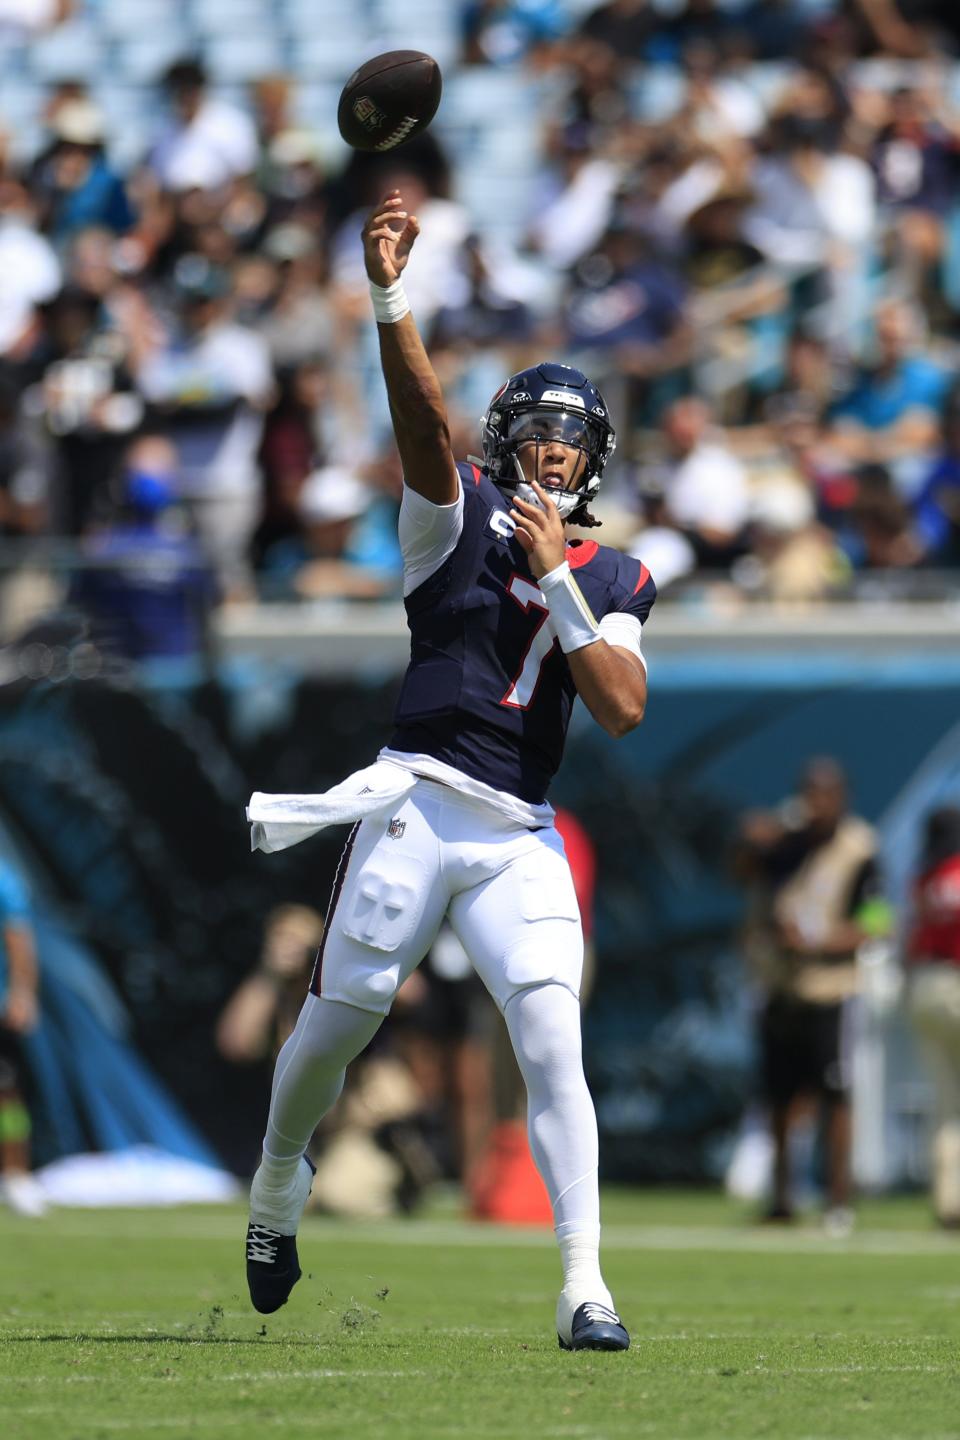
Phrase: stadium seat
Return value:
(118, 19)
(329, 57)
(231, 17)
(142, 60)
(498, 203)
(440, 42)
(476, 96)
(122, 105)
(20, 103)
(315, 106)
(236, 58)
(27, 140)
(129, 146)
(303, 17)
(72, 51)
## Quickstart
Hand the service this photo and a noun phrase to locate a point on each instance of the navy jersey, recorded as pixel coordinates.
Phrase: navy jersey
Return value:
(488, 689)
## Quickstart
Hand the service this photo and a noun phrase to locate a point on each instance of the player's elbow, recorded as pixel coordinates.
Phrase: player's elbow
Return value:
(625, 718)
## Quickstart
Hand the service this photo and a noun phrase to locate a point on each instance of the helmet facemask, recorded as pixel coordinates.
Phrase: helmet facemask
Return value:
(531, 431)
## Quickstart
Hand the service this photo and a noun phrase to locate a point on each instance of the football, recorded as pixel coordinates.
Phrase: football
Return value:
(389, 100)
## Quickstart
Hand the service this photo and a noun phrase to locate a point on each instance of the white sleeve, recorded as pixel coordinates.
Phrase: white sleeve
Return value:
(428, 535)
(624, 631)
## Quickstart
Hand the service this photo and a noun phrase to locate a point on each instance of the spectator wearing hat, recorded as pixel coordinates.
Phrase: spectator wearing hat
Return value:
(705, 485)
(206, 142)
(85, 398)
(933, 959)
(331, 557)
(814, 215)
(75, 185)
(146, 586)
(625, 300)
(294, 181)
(208, 384)
(479, 311)
(300, 322)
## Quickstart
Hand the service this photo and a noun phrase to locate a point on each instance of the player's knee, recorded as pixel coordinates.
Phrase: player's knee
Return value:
(545, 1025)
(369, 989)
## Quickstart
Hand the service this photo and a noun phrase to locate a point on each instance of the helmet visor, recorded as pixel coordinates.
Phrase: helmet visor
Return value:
(547, 425)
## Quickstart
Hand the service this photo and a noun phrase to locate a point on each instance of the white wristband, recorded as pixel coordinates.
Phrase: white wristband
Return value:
(390, 303)
(570, 615)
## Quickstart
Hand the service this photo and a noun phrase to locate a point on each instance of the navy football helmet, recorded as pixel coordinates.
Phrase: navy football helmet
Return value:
(548, 402)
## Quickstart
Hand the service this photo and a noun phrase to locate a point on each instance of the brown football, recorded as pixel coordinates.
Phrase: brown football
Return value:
(389, 100)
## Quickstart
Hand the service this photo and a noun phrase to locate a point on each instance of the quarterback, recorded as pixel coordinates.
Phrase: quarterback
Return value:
(509, 622)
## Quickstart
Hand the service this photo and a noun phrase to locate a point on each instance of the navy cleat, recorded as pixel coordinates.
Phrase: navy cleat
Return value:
(273, 1267)
(595, 1327)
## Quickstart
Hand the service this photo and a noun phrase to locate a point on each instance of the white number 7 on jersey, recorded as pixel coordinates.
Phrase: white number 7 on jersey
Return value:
(524, 685)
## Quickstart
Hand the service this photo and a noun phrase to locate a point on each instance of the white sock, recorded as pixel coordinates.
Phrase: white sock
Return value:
(307, 1080)
(277, 1173)
(580, 1257)
(544, 1025)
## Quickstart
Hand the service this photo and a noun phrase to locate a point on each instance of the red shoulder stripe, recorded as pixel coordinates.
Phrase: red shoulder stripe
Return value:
(644, 577)
(476, 474)
(581, 553)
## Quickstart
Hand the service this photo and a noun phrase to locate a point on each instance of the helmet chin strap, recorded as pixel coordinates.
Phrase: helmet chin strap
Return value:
(566, 501)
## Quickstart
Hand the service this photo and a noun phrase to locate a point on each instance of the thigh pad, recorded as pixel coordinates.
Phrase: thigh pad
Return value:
(386, 901)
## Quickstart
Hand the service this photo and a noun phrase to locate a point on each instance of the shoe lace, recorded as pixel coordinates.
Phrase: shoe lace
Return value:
(600, 1313)
(262, 1243)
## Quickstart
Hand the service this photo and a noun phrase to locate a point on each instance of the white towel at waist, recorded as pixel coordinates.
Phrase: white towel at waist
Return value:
(278, 821)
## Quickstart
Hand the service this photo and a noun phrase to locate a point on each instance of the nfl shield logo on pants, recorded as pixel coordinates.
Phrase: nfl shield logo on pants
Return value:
(396, 828)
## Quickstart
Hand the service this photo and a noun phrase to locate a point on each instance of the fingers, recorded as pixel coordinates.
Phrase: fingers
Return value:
(384, 233)
(389, 205)
(546, 498)
(534, 520)
(394, 222)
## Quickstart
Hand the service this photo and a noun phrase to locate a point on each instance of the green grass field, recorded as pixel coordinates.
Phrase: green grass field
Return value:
(135, 1323)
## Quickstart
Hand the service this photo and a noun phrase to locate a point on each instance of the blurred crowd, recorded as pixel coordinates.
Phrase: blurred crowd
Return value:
(741, 220)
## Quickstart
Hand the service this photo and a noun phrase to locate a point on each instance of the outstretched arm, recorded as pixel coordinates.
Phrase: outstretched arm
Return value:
(610, 681)
(413, 390)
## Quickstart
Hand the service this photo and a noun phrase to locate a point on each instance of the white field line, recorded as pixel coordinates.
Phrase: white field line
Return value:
(802, 1241)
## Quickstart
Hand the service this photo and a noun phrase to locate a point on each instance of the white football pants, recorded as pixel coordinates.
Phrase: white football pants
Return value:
(509, 896)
